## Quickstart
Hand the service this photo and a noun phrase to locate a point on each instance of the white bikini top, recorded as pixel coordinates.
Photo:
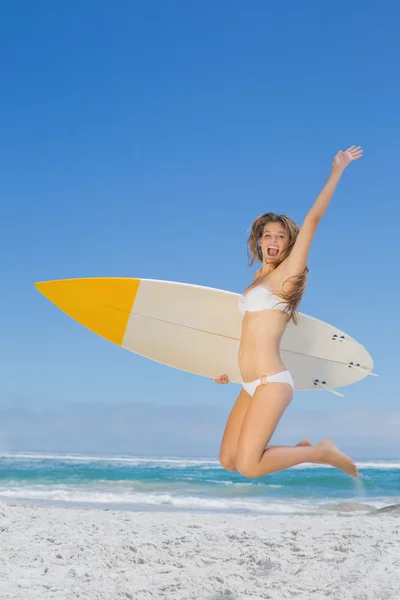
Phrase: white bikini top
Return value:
(260, 298)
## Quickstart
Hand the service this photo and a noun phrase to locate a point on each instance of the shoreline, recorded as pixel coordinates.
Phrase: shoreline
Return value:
(349, 507)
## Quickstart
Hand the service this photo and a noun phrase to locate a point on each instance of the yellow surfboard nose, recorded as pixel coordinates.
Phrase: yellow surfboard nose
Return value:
(101, 304)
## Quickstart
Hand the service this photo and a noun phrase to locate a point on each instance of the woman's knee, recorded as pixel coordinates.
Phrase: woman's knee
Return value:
(247, 468)
(227, 461)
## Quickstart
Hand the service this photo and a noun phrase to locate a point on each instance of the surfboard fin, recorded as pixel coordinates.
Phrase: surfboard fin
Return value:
(363, 369)
(323, 385)
(339, 338)
(342, 338)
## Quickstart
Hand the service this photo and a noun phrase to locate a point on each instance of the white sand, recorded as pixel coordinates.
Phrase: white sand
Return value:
(67, 553)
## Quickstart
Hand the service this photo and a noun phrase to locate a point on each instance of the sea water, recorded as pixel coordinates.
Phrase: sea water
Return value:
(140, 483)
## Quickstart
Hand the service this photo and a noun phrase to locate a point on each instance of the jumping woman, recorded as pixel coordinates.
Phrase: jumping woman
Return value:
(267, 306)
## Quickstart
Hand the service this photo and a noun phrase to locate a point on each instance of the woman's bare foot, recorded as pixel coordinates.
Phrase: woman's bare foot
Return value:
(304, 443)
(331, 455)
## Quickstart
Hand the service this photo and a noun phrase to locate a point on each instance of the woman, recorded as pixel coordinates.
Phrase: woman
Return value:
(267, 306)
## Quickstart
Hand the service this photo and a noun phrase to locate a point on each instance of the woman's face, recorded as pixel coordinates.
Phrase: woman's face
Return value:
(273, 242)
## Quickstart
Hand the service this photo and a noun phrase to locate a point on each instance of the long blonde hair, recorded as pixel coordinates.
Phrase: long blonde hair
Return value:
(298, 282)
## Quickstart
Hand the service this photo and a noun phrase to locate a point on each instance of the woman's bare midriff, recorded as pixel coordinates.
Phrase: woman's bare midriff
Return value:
(260, 342)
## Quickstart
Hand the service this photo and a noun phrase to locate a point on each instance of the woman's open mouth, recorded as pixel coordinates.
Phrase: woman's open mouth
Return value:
(273, 250)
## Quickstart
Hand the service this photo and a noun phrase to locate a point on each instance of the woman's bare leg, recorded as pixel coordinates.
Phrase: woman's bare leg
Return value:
(227, 453)
(229, 444)
(261, 419)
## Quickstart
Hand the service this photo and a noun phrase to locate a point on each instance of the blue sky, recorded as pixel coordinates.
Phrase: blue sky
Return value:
(142, 139)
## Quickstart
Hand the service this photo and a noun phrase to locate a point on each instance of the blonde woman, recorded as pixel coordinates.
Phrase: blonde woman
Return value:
(267, 306)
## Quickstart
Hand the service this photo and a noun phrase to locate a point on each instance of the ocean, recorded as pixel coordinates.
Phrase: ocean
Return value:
(139, 483)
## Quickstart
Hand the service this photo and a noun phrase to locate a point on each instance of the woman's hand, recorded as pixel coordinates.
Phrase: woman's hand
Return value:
(222, 379)
(343, 159)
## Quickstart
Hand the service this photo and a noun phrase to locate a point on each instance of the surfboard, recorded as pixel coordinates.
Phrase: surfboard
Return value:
(197, 329)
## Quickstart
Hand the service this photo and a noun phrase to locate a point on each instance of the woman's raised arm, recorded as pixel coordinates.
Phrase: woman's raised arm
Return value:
(297, 259)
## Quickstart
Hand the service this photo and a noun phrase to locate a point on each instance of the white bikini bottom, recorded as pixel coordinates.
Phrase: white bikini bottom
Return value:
(282, 377)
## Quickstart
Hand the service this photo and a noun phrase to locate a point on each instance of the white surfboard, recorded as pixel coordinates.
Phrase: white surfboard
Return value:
(197, 329)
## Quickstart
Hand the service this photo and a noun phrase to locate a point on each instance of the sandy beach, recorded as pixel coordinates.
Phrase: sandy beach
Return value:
(93, 554)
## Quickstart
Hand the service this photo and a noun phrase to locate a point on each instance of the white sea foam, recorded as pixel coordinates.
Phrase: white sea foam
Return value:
(130, 460)
(371, 464)
(87, 495)
(174, 462)
(153, 500)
